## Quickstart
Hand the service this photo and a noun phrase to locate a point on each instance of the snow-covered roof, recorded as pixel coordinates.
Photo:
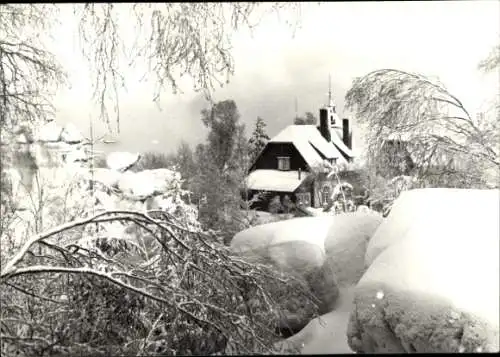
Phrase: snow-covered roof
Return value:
(307, 138)
(275, 180)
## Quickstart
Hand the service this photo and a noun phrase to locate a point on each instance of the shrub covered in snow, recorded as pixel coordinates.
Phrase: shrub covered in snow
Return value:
(383, 192)
(152, 160)
(275, 205)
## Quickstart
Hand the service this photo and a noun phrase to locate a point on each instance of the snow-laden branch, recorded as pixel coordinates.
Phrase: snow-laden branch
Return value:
(10, 267)
(421, 116)
(41, 269)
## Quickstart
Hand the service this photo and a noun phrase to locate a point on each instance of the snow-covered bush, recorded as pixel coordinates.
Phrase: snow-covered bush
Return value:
(152, 160)
(275, 205)
(342, 196)
(383, 192)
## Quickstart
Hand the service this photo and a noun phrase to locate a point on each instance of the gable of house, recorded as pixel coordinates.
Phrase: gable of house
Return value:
(268, 158)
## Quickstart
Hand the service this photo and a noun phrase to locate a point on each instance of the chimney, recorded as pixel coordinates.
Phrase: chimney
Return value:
(346, 134)
(324, 124)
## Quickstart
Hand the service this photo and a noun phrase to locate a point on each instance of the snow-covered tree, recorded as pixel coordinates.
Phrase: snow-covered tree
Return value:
(415, 126)
(258, 139)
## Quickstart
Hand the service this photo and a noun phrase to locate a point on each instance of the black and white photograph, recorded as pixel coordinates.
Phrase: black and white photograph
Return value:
(235, 178)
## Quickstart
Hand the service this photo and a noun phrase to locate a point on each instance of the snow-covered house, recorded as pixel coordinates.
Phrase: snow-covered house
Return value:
(291, 163)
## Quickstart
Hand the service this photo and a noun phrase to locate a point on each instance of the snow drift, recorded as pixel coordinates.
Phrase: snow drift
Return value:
(326, 251)
(121, 161)
(432, 283)
(346, 243)
(139, 185)
(294, 244)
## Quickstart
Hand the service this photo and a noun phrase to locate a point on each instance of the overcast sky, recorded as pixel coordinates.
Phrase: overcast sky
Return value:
(446, 39)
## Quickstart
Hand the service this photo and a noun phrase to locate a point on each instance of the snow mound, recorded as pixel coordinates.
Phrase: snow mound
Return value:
(121, 160)
(292, 244)
(433, 279)
(295, 247)
(49, 132)
(107, 177)
(71, 134)
(438, 207)
(346, 242)
(297, 229)
(139, 185)
(328, 251)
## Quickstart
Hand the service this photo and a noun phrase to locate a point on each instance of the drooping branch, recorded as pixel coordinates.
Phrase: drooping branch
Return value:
(40, 269)
(491, 62)
(173, 41)
(421, 116)
(107, 216)
(29, 73)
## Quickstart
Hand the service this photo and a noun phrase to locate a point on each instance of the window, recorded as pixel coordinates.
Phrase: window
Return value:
(326, 193)
(284, 163)
(303, 198)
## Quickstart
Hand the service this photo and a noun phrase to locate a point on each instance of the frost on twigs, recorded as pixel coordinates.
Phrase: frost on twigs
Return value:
(173, 45)
(416, 127)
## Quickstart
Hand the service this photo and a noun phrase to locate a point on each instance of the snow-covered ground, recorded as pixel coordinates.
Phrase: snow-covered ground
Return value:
(425, 280)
